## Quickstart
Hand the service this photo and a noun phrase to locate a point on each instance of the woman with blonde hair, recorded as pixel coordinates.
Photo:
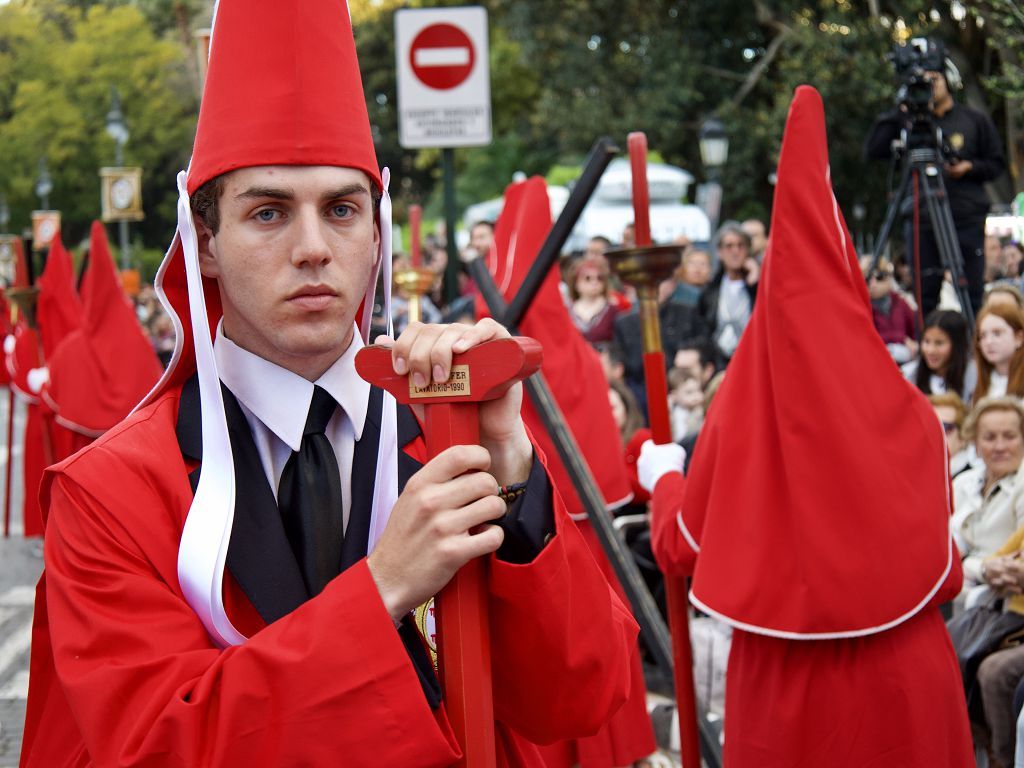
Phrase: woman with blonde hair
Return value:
(999, 351)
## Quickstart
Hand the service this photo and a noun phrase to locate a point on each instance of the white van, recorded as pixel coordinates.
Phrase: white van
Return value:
(611, 207)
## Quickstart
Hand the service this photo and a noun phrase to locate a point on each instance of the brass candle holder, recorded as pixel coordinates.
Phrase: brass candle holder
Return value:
(416, 282)
(645, 268)
(25, 299)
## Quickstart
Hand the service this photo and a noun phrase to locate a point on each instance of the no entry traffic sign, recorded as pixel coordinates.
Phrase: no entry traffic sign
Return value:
(444, 88)
(442, 56)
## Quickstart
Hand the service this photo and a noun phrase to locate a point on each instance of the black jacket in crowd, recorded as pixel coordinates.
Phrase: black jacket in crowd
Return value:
(680, 325)
(707, 305)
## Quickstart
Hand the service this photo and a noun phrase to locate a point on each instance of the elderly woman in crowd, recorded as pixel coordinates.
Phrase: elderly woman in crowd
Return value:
(988, 500)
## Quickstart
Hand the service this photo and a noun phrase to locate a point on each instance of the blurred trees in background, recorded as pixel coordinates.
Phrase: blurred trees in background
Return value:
(562, 74)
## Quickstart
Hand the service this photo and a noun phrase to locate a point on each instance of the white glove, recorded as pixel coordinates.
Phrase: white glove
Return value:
(658, 460)
(36, 378)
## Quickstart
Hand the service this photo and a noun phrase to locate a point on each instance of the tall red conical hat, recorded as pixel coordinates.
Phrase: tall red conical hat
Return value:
(819, 491)
(59, 310)
(99, 372)
(283, 88)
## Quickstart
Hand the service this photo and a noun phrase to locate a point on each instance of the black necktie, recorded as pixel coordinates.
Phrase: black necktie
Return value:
(309, 498)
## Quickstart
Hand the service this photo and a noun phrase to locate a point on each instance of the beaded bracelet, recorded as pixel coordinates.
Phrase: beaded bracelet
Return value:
(509, 493)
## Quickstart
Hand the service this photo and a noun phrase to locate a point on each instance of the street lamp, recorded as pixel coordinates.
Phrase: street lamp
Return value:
(117, 129)
(714, 146)
(714, 151)
(44, 184)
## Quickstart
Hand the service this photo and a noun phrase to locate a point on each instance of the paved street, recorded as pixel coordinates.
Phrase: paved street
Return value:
(20, 566)
(18, 575)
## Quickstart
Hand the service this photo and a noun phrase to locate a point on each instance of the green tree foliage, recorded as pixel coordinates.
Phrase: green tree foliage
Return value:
(580, 69)
(58, 63)
(1004, 20)
(562, 75)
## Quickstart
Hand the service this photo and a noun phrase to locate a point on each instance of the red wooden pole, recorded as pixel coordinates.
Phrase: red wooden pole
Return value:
(463, 638)
(661, 428)
(10, 461)
(483, 373)
(637, 143)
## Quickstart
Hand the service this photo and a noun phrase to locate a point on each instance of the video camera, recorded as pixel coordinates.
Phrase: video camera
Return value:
(912, 63)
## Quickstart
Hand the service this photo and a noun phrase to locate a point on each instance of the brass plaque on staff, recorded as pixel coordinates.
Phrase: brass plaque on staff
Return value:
(456, 386)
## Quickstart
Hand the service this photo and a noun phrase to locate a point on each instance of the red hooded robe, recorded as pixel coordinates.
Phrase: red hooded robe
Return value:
(573, 372)
(102, 370)
(815, 518)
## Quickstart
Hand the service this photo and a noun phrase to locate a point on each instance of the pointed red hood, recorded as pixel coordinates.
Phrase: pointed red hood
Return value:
(571, 366)
(59, 311)
(819, 490)
(283, 88)
(102, 370)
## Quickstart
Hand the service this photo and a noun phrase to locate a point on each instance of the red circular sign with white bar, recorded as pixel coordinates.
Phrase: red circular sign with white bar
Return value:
(442, 56)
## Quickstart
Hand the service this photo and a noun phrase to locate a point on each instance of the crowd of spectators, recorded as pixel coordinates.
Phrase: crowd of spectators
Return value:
(974, 379)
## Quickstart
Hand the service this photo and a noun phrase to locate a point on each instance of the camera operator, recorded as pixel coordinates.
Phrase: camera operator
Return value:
(970, 152)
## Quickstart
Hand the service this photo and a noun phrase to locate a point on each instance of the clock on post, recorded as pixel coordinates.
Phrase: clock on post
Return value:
(122, 194)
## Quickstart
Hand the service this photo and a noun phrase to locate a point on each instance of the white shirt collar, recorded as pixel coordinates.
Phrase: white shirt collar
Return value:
(279, 398)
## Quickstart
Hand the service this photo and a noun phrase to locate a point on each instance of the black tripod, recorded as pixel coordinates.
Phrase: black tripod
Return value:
(922, 169)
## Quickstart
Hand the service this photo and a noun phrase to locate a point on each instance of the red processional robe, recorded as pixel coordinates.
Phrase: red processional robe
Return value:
(815, 516)
(100, 371)
(37, 444)
(124, 673)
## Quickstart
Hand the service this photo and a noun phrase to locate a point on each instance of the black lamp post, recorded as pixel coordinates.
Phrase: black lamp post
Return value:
(44, 185)
(714, 151)
(117, 129)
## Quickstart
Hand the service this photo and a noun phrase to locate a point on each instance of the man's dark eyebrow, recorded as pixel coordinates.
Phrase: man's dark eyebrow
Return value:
(349, 189)
(274, 192)
(278, 193)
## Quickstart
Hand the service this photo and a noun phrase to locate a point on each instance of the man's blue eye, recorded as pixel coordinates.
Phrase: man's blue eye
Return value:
(266, 214)
(342, 210)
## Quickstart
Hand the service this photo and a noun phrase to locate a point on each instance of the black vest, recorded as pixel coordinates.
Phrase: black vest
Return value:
(259, 556)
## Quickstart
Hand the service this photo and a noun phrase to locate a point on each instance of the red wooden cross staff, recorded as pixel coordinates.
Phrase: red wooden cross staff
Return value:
(485, 372)
(646, 266)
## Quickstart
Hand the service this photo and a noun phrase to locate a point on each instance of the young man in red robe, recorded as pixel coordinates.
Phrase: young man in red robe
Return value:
(815, 517)
(145, 651)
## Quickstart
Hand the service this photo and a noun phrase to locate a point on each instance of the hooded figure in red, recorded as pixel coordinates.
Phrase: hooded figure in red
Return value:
(175, 624)
(58, 313)
(102, 370)
(815, 517)
(577, 382)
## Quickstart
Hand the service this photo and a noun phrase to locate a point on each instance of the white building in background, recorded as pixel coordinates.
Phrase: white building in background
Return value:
(611, 207)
